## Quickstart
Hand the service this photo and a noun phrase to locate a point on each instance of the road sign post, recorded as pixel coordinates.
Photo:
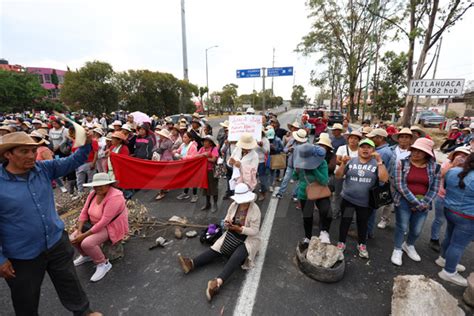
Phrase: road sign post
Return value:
(263, 87)
(248, 73)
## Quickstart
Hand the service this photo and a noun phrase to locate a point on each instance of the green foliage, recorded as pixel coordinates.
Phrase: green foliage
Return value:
(255, 99)
(391, 82)
(19, 91)
(91, 88)
(298, 97)
(54, 78)
(451, 114)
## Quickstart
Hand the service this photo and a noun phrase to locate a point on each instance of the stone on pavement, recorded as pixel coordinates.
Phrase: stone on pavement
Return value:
(178, 233)
(469, 293)
(323, 255)
(113, 252)
(191, 234)
(420, 295)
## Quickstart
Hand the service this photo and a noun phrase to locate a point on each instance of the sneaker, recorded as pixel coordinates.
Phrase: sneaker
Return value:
(397, 257)
(383, 223)
(270, 189)
(261, 196)
(186, 264)
(411, 252)
(194, 199)
(63, 189)
(434, 244)
(212, 289)
(442, 262)
(160, 196)
(455, 278)
(298, 205)
(341, 246)
(324, 237)
(279, 195)
(81, 260)
(292, 181)
(182, 196)
(295, 199)
(213, 208)
(100, 271)
(363, 253)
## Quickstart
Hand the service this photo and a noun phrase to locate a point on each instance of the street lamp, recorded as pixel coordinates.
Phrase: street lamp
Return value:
(207, 74)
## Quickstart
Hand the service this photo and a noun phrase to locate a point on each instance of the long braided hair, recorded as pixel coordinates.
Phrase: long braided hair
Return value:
(467, 167)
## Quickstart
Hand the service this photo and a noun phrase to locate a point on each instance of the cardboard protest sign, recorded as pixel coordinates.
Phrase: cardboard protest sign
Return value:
(239, 124)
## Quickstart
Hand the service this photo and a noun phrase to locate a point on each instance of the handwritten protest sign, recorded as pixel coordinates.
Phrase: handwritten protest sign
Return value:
(239, 124)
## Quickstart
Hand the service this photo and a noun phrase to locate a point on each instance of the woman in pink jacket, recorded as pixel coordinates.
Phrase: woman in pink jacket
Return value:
(104, 217)
(188, 149)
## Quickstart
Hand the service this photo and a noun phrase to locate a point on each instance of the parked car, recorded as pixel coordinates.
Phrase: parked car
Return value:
(177, 117)
(335, 117)
(430, 118)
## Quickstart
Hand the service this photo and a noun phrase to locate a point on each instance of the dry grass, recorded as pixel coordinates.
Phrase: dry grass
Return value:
(437, 135)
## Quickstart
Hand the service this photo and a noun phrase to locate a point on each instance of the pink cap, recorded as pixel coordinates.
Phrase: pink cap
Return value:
(425, 145)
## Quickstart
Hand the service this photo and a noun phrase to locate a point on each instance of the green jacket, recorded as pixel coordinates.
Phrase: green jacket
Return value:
(320, 174)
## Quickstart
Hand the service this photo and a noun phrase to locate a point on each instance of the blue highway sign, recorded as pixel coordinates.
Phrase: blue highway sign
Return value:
(249, 73)
(280, 71)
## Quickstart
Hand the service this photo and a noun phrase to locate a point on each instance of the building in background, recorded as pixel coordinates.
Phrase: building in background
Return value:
(4, 65)
(49, 78)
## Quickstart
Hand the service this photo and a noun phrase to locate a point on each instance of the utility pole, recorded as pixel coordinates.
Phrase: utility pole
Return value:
(185, 50)
(273, 66)
(207, 77)
(263, 98)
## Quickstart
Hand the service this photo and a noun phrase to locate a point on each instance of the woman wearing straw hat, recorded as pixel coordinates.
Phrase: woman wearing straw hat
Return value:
(455, 159)
(103, 218)
(311, 168)
(101, 164)
(176, 137)
(245, 158)
(165, 150)
(240, 243)
(416, 181)
(119, 141)
(43, 152)
(211, 152)
(360, 175)
(188, 149)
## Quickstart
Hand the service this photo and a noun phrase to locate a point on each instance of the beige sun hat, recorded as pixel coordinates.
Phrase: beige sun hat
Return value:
(300, 135)
(12, 140)
(325, 140)
(354, 133)
(39, 135)
(337, 126)
(165, 133)
(127, 127)
(415, 128)
(100, 179)
(403, 131)
(366, 130)
(98, 131)
(225, 124)
(8, 129)
(463, 149)
(425, 145)
(117, 122)
(183, 126)
(247, 141)
(295, 124)
(378, 132)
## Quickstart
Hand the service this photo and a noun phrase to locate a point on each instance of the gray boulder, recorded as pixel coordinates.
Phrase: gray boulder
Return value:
(323, 255)
(469, 293)
(420, 295)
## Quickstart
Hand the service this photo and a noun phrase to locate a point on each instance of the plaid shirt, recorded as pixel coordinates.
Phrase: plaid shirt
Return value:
(401, 187)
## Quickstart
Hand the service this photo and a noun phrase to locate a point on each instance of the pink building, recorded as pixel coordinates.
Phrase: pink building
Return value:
(45, 77)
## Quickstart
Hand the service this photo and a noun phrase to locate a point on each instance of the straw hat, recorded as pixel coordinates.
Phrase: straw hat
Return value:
(108, 136)
(242, 194)
(425, 145)
(403, 131)
(419, 130)
(165, 133)
(225, 124)
(325, 140)
(211, 139)
(467, 129)
(196, 115)
(356, 134)
(168, 120)
(304, 157)
(39, 135)
(378, 132)
(247, 141)
(44, 125)
(183, 126)
(300, 135)
(119, 135)
(463, 149)
(12, 140)
(295, 124)
(8, 129)
(455, 127)
(127, 127)
(26, 123)
(337, 126)
(36, 121)
(43, 132)
(100, 179)
(117, 122)
(366, 130)
(98, 131)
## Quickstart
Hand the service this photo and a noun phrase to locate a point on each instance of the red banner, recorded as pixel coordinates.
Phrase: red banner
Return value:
(134, 173)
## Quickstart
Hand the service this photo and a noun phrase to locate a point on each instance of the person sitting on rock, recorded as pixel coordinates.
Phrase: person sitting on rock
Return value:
(240, 243)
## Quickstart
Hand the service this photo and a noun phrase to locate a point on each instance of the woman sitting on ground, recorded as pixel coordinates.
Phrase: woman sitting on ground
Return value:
(240, 243)
(103, 218)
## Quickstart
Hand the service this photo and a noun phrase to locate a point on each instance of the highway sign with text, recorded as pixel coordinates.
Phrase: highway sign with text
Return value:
(280, 71)
(436, 87)
(249, 73)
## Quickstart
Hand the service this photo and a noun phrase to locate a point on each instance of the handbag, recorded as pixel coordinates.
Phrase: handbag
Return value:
(219, 171)
(316, 191)
(230, 244)
(380, 195)
(278, 161)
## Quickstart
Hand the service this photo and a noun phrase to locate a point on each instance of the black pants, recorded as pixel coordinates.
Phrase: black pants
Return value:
(234, 262)
(57, 261)
(228, 176)
(325, 216)
(195, 191)
(362, 218)
(447, 143)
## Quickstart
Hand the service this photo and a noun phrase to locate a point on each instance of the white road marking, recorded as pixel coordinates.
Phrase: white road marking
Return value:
(248, 292)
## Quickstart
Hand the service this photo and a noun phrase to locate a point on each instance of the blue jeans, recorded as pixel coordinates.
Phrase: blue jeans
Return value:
(408, 221)
(262, 176)
(439, 217)
(286, 180)
(459, 233)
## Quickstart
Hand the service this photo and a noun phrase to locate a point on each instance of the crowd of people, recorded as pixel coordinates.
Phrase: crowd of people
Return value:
(340, 174)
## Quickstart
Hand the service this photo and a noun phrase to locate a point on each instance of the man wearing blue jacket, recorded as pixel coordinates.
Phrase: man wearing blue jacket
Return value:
(32, 236)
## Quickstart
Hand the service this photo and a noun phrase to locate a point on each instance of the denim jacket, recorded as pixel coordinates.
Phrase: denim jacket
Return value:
(457, 199)
(401, 187)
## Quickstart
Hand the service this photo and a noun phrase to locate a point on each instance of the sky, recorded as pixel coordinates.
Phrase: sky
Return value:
(146, 34)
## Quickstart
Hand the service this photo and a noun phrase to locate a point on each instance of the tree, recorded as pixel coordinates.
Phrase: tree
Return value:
(229, 96)
(342, 30)
(19, 91)
(391, 82)
(91, 88)
(55, 79)
(298, 98)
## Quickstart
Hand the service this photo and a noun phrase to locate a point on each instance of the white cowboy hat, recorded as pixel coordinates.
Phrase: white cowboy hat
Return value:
(117, 122)
(242, 194)
(337, 126)
(325, 140)
(300, 135)
(247, 141)
(164, 133)
(225, 124)
(99, 179)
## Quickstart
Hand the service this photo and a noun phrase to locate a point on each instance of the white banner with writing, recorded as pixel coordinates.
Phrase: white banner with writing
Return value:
(239, 124)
